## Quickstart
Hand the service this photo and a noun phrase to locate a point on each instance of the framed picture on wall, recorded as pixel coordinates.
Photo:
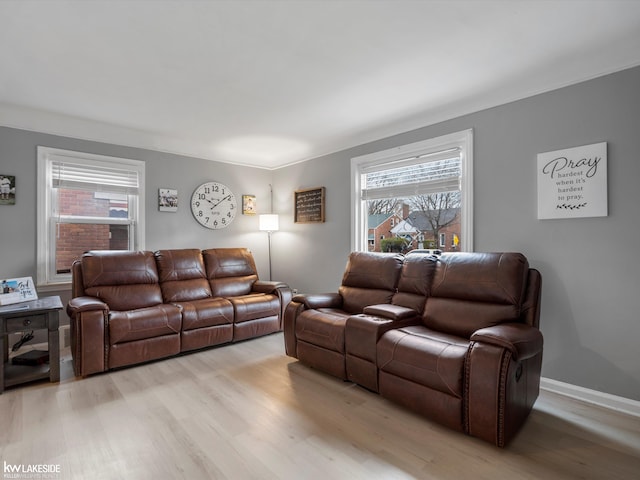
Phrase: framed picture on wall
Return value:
(248, 204)
(309, 205)
(7, 190)
(167, 200)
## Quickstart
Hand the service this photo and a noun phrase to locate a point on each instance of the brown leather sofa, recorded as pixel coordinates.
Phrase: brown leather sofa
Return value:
(453, 337)
(129, 307)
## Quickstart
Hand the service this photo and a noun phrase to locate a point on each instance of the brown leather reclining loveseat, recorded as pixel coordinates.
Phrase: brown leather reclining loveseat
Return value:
(129, 307)
(453, 337)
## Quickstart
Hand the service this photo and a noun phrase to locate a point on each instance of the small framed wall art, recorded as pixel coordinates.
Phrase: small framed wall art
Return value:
(7, 190)
(167, 200)
(248, 204)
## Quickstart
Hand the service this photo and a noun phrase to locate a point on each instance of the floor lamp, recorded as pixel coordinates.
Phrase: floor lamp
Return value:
(269, 224)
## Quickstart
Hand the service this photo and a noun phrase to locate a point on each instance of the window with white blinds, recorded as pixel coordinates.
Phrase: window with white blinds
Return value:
(420, 192)
(94, 175)
(85, 202)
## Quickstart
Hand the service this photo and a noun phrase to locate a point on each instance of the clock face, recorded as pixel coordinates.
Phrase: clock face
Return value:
(214, 205)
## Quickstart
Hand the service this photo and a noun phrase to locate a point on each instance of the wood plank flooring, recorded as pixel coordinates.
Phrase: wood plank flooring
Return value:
(247, 411)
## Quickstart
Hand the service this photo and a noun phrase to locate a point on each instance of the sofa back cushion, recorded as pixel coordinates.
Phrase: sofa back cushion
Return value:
(369, 279)
(231, 271)
(476, 290)
(415, 281)
(182, 275)
(124, 280)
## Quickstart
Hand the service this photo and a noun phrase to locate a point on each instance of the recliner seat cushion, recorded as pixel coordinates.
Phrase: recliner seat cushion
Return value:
(144, 323)
(206, 312)
(323, 327)
(251, 307)
(424, 356)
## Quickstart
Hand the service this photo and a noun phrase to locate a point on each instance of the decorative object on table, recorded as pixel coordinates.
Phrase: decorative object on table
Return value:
(214, 205)
(248, 204)
(7, 190)
(168, 200)
(15, 290)
(573, 182)
(309, 205)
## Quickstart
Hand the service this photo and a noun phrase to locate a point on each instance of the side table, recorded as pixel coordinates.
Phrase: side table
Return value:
(32, 315)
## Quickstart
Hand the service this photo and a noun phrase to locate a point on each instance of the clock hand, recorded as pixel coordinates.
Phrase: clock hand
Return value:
(222, 200)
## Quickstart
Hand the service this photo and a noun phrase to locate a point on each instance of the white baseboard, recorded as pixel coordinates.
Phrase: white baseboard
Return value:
(606, 400)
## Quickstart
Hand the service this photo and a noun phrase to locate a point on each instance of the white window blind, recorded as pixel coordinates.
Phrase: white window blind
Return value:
(421, 175)
(93, 175)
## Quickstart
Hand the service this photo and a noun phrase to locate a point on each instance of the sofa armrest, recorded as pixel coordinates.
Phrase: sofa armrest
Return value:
(89, 325)
(390, 311)
(266, 286)
(319, 300)
(279, 289)
(502, 380)
(85, 304)
(523, 341)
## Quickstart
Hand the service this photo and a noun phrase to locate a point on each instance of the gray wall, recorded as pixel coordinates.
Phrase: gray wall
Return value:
(590, 266)
(163, 230)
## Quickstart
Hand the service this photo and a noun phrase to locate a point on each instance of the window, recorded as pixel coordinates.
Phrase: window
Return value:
(427, 185)
(85, 202)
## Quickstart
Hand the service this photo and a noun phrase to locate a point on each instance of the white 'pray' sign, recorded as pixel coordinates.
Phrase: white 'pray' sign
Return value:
(573, 182)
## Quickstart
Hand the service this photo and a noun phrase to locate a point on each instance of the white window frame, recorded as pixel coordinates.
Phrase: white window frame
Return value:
(462, 140)
(47, 218)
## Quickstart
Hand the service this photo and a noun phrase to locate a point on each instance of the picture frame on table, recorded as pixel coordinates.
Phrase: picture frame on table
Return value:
(15, 290)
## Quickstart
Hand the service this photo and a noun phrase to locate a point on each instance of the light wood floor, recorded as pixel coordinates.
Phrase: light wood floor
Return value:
(246, 411)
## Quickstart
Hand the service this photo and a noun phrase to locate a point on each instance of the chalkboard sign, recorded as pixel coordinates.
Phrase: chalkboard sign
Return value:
(309, 205)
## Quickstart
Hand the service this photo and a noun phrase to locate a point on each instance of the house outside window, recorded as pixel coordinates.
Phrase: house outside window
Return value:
(425, 186)
(85, 202)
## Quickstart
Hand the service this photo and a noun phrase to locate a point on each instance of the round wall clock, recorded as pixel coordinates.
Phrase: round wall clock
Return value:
(214, 205)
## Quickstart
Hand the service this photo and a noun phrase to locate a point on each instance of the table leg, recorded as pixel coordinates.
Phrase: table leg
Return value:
(54, 347)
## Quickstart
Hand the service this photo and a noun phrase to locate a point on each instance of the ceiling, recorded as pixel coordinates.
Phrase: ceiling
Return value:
(270, 83)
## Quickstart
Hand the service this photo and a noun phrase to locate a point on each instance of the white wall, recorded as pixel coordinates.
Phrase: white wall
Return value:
(590, 266)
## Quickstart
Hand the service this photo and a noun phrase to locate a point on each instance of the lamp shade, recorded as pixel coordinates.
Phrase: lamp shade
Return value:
(268, 222)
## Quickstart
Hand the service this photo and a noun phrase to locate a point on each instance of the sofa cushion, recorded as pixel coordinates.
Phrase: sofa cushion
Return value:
(424, 356)
(231, 271)
(369, 278)
(206, 312)
(124, 280)
(144, 323)
(182, 275)
(251, 307)
(323, 327)
(476, 290)
(415, 281)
